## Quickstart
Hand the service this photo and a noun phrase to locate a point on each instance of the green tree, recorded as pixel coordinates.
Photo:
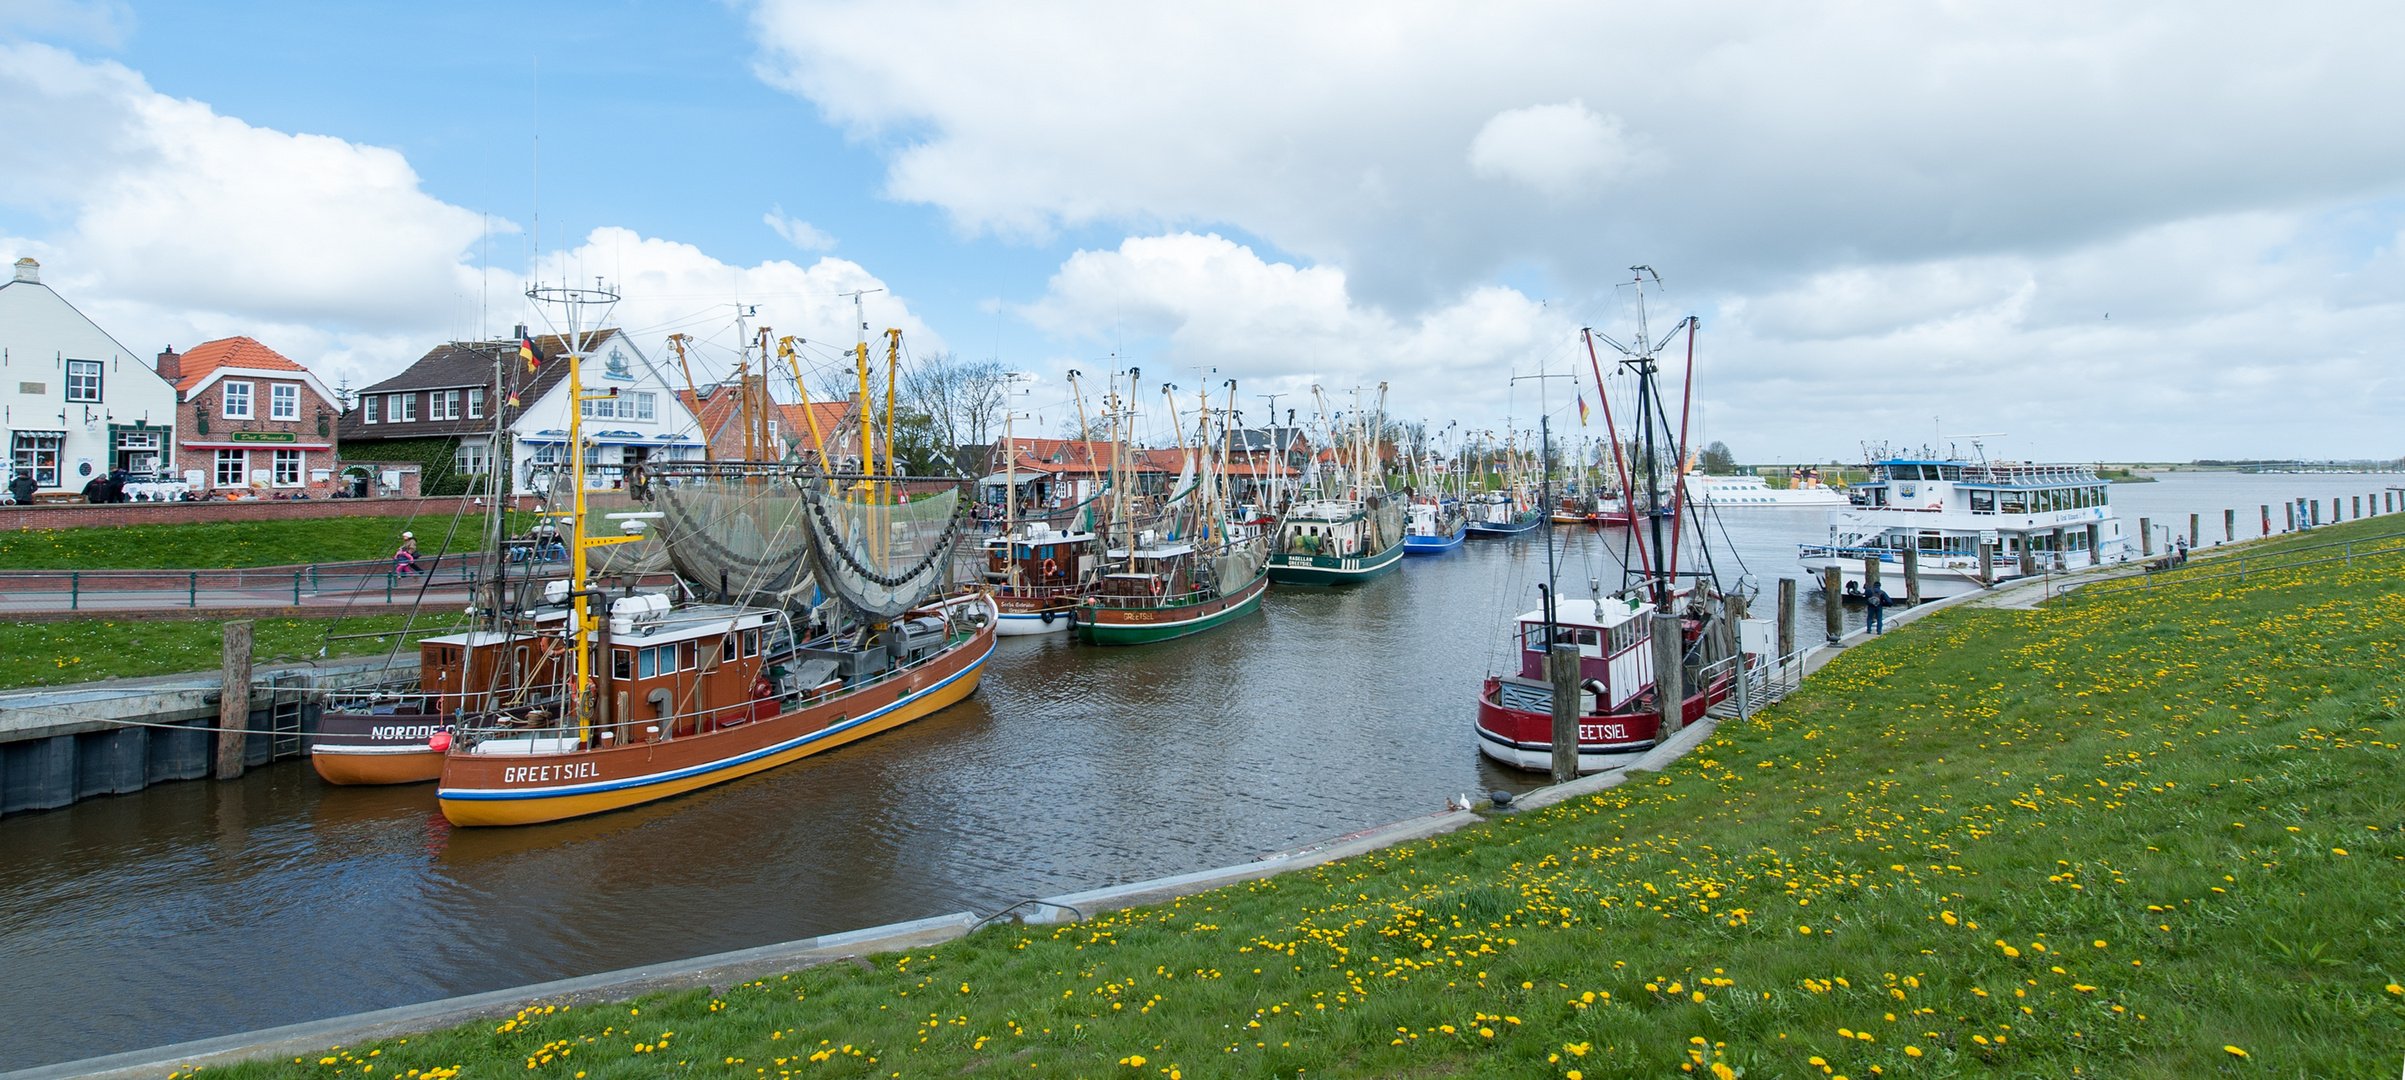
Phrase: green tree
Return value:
(1717, 460)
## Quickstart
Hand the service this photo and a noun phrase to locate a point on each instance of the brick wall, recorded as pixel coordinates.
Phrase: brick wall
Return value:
(85, 515)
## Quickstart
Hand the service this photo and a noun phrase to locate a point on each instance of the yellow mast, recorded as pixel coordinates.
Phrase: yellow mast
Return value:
(818, 442)
(893, 375)
(868, 455)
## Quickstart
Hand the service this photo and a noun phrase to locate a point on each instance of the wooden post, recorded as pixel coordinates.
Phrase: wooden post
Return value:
(2145, 536)
(1562, 665)
(234, 700)
(1669, 681)
(2229, 525)
(2291, 509)
(1987, 563)
(1832, 591)
(2266, 518)
(2029, 558)
(1735, 624)
(1912, 576)
(2355, 503)
(1786, 617)
(1870, 573)
(2095, 545)
(2058, 555)
(2196, 536)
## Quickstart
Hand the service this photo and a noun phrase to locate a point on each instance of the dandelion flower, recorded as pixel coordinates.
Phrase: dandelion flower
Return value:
(2235, 1052)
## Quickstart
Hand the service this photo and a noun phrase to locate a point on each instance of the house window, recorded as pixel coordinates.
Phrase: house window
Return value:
(35, 454)
(401, 408)
(288, 468)
(231, 465)
(368, 409)
(237, 400)
(643, 407)
(476, 403)
(83, 380)
(284, 401)
(443, 405)
(468, 458)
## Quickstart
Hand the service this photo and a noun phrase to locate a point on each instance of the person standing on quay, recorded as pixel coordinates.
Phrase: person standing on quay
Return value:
(1875, 601)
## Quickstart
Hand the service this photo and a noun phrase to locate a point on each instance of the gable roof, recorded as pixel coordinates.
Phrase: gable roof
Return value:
(460, 364)
(199, 361)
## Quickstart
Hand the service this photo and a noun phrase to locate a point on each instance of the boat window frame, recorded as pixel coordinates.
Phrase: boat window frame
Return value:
(622, 663)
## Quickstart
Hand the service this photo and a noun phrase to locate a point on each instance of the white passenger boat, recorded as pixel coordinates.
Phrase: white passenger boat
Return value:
(2033, 518)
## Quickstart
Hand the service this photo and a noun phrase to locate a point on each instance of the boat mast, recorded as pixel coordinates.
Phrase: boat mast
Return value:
(578, 339)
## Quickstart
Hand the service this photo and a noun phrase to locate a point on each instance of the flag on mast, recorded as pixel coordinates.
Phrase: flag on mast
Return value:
(526, 352)
(1582, 408)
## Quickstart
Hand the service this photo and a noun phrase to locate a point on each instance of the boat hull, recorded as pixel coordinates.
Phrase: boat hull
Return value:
(1297, 569)
(1492, 529)
(359, 766)
(1027, 616)
(1524, 740)
(1434, 545)
(524, 789)
(1100, 623)
(357, 748)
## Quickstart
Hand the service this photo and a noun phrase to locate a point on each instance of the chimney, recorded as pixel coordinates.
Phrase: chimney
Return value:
(521, 332)
(171, 366)
(29, 271)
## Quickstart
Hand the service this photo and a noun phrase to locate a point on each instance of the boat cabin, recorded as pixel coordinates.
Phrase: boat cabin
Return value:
(676, 671)
(1493, 508)
(1614, 640)
(483, 670)
(1039, 556)
(1334, 529)
(1157, 572)
(1985, 488)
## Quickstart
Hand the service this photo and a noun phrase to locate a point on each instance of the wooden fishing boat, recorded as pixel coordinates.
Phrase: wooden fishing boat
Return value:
(1433, 526)
(1161, 599)
(1039, 575)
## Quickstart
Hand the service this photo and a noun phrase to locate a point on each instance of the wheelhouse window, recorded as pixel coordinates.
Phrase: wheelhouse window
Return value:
(237, 400)
(83, 380)
(1983, 502)
(284, 401)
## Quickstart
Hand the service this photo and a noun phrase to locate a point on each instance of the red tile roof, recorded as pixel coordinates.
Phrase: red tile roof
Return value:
(233, 352)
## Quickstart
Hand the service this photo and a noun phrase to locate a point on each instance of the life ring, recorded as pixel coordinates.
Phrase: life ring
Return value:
(1156, 586)
(1051, 568)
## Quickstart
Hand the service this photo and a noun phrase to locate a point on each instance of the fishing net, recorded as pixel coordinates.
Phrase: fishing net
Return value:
(744, 531)
(882, 559)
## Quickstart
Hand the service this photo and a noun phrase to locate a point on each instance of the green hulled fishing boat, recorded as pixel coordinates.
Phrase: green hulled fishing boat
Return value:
(1352, 529)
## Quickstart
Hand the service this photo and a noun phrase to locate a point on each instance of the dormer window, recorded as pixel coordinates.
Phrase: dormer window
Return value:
(237, 400)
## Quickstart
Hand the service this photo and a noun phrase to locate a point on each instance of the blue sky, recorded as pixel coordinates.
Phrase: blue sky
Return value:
(1881, 214)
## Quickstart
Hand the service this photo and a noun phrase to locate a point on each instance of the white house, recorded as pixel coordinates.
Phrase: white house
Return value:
(73, 401)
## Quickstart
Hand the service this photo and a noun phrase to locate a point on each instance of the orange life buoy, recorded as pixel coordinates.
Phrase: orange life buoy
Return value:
(1156, 586)
(1051, 568)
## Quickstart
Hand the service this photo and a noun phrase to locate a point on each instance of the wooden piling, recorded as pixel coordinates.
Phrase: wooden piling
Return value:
(1987, 563)
(1786, 617)
(1669, 681)
(2291, 508)
(1912, 576)
(2145, 536)
(2196, 535)
(234, 700)
(1870, 573)
(1561, 666)
(1832, 585)
(2095, 545)
(2229, 525)
(2029, 558)
(2355, 502)
(2266, 518)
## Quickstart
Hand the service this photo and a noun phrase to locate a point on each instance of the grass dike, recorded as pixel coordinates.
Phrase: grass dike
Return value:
(2128, 833)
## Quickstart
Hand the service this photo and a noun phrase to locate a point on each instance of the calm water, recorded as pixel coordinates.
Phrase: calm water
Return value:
(198, 909)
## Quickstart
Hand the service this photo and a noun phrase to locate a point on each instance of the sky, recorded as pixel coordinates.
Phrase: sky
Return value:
(2140, 231)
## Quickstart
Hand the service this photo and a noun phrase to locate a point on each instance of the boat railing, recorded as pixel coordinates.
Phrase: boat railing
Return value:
(1039, 592)
(1766, 680)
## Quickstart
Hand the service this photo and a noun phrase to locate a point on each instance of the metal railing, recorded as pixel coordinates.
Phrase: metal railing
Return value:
(376, 581)
(1764, 680)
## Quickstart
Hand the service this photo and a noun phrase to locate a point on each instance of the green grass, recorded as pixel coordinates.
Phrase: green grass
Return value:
(58, 653)
(2143, 834)
(223, 545)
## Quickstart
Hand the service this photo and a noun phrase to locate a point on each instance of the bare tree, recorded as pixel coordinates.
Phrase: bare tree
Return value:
(963, 399)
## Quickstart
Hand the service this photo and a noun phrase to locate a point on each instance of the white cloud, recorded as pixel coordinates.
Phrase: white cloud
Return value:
(175, 224)
(1209, 301)
(1856, 180)
(99, 22)
(1560, 150)
(797, 232)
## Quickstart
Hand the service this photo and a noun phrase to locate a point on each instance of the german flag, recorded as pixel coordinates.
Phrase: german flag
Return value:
(527, 352)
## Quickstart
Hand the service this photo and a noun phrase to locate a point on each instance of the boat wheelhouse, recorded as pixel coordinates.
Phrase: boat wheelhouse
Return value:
(1970, 523)
(1038, 574)
(1617, 717)
(1433, 527)
(1336, 542)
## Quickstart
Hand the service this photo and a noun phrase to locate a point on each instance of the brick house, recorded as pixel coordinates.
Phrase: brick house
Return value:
(248, 418)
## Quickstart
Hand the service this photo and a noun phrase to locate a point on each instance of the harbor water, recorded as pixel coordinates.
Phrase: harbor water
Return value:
(196, 909)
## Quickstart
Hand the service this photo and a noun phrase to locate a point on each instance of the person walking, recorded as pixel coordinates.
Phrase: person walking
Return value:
(405, 558)
(1875, 600)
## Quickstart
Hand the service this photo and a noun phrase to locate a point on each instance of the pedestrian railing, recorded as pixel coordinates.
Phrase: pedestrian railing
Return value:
(1763, 681)
(376, 581)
